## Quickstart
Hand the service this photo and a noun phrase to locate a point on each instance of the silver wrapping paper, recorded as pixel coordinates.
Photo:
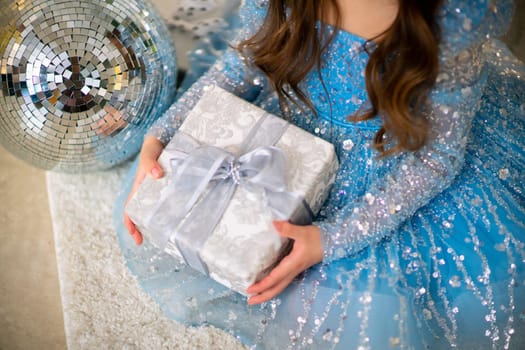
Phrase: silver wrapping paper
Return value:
(244, 245)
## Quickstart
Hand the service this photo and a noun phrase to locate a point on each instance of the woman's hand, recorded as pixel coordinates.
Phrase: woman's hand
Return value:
(307, 251)
(148, 165)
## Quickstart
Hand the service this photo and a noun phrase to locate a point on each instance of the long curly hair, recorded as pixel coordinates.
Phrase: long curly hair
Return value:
(401, 69)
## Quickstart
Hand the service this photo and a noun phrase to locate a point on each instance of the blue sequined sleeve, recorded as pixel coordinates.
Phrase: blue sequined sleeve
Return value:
(230, 72)
(414, 178)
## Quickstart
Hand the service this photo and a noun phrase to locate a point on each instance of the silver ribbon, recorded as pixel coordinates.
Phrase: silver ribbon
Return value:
(205, 179)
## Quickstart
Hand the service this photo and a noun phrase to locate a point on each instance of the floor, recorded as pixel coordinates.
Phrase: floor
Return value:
(30, 308)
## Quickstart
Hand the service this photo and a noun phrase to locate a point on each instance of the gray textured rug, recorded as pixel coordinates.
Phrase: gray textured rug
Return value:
(104, 307)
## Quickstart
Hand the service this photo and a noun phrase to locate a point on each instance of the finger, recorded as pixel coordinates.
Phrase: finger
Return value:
(285, 229)
(150, 167)
(129, 224)
(280, 272)
(269, 293)
(135, 234)
(137, 237)
(264, 284)
(156, 171)
(149, 154)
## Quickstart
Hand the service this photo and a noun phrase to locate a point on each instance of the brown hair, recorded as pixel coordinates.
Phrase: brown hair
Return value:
(400, 71)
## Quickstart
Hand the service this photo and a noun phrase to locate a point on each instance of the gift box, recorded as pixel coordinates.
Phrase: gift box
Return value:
(229, 171)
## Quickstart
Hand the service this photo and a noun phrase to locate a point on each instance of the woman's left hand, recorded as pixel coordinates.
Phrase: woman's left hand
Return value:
(307, 251)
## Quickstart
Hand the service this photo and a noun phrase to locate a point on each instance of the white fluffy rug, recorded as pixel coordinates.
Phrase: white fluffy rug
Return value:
(104, 307)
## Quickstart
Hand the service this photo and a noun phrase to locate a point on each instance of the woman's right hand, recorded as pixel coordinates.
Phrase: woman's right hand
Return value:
(148, 165)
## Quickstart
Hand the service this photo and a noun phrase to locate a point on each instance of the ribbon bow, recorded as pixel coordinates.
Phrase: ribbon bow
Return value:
(205, 179)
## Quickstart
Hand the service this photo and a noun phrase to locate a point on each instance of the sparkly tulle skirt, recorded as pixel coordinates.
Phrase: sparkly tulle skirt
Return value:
(453, 275)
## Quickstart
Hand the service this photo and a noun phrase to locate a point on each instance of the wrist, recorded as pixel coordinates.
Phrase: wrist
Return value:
(318, 252)
(326, 241)
(151, 148)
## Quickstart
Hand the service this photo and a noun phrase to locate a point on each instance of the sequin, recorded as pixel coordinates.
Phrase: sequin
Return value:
(504, 174)
(301, 320)
(455, 281)
(327, 335)
(394, 342)
(370, 199)
(348, 145)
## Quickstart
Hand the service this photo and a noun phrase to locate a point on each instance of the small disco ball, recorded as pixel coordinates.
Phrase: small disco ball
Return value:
(81, 81)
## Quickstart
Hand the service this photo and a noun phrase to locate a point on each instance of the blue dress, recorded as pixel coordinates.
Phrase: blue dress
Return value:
(422, 250)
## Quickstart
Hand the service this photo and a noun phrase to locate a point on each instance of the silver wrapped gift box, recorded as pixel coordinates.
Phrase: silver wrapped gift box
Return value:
(230, 170)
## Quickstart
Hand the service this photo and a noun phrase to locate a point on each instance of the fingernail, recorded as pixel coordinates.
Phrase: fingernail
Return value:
(278, 225)
(155, 172)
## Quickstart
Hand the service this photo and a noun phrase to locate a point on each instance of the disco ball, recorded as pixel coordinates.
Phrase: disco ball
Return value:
(81, 81)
